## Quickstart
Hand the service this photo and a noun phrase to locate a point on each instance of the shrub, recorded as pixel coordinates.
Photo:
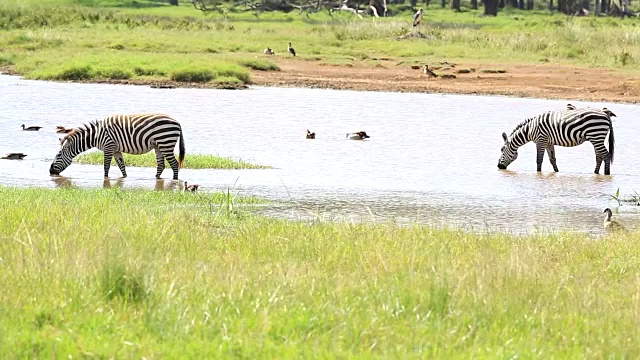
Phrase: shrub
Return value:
(75, 73)
(258, 64)
(192, 76)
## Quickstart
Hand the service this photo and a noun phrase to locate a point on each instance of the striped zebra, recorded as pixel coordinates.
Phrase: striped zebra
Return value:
(563, 128)
(117, 134)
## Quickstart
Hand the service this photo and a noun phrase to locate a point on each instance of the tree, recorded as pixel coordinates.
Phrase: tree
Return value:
(474, 4)
(490, 7)
(454, 5)
(173, 2)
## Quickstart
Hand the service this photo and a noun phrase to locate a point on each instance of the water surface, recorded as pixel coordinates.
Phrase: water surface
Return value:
(431, 157)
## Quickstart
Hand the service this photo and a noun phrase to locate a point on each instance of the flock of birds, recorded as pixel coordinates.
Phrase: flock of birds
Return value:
(360, 135)
(269, 51)
(64, 130)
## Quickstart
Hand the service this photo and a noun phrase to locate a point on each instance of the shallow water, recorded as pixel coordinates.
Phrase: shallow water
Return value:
(431, 157)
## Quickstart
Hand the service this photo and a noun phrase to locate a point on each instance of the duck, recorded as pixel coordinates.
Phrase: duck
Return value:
(192, 188)
(612, 225)
(428, 72)
(310, 135)
(608, 112)
(31, 128)
(291, 50)
(361, 135)
(62, 130)
(14, 156)
(269, 51)
(571, 107)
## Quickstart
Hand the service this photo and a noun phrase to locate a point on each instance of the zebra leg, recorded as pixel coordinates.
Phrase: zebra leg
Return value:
(601, 154)
(168, 154)
(160, 162)
(540, 151)
(108, 154)
(120, 161)
(551, 151)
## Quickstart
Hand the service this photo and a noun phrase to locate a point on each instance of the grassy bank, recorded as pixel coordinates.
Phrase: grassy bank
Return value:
(68, 40)
(162, 275)
(191, 161)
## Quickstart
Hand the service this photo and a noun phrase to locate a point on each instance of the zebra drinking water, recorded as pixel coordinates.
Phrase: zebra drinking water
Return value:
(563, 128)
(133, 134)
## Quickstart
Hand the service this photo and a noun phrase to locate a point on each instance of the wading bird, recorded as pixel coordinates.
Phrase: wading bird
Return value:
(310, 135)
(430, 74)
(291, 50)
(31, 128)
(14, 156)
(361, 135)
(612, 225)
(192, 188)
(417, 19)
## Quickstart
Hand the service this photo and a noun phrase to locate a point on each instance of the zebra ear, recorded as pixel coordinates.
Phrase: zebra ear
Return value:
(61, 141)
(504, 136)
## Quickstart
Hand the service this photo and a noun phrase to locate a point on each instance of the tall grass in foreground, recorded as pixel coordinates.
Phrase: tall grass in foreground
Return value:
(131, 274)
(191, 161)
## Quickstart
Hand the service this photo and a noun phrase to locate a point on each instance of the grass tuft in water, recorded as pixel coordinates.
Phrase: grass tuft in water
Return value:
(191, 161)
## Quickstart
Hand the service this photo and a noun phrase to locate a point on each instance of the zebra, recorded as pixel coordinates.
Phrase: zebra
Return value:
(563, 128)
(117, 134)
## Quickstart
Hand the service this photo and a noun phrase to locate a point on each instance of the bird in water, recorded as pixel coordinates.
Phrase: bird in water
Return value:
(31, 128)
(310, 135)
(430, 74)
(62, 130)
(417, 18)
(571, 107)
(612, 225)
(360, 135)
(192, 188)
(291, 50)
(14, 156)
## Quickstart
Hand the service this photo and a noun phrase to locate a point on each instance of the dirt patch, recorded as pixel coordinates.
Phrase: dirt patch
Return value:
(538, 81)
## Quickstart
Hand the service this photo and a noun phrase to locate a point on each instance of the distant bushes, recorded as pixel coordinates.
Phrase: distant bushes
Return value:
(202, 75)
(199, 76)
(258, 64)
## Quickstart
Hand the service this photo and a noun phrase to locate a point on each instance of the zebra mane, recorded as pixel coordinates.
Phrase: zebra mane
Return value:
(520, 126)
(81, 129)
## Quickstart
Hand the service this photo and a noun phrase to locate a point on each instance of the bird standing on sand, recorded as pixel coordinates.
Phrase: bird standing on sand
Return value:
(291, 50)
(429, 73)
(14, 156)
(612, 225)
(417, 18)
(31, 128)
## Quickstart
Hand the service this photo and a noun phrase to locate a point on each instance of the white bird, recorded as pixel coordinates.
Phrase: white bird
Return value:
(268, 51)
(417, 19)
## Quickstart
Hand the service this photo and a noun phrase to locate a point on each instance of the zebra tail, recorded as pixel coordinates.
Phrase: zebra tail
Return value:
(612, 141)
(182, 152)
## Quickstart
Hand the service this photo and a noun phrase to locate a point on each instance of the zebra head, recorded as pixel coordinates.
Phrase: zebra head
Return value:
(70, 148)
(509, 153)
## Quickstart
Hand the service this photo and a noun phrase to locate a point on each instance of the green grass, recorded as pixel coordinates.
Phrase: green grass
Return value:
(86, 40)
(132, 274)
(191, 161)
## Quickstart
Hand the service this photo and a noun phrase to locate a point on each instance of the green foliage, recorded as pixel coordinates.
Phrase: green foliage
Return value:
(258, 64)
(171, 274)
(189, 75)
(74, 73)
(191, 161)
